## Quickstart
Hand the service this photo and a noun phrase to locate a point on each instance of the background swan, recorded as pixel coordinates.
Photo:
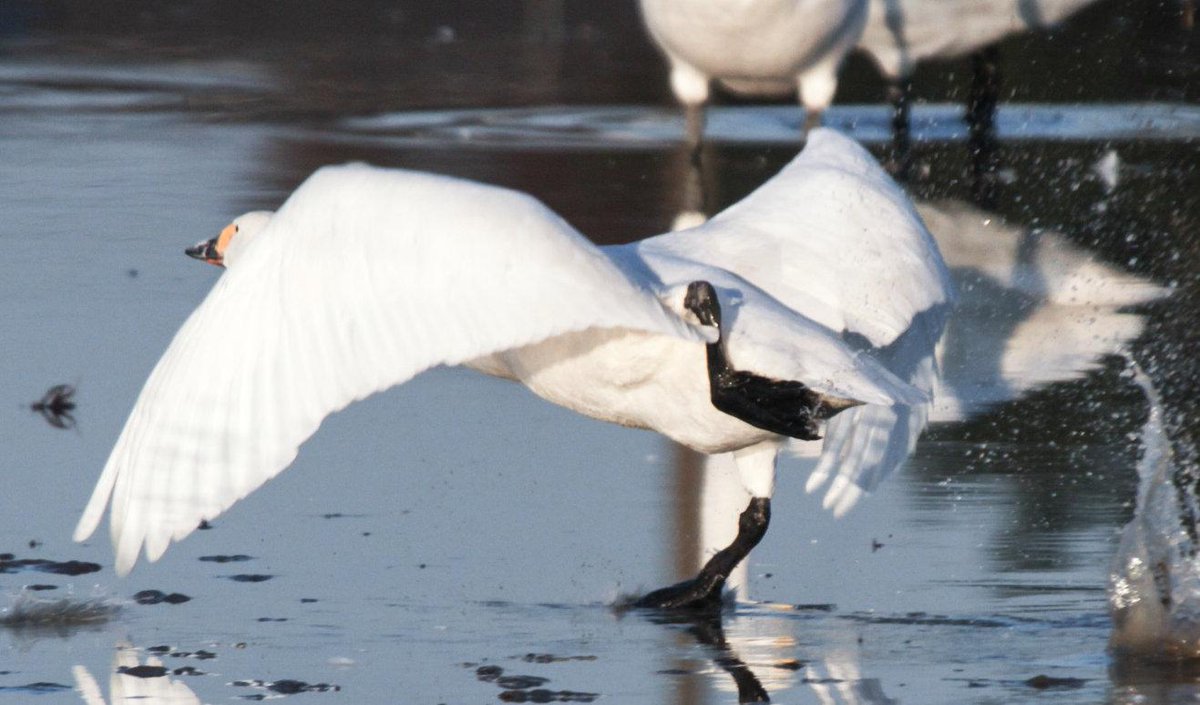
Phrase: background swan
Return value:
(901, 33)
(365, 277)
(754, 47)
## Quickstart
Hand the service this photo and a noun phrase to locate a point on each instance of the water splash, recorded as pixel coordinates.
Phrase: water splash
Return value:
(28, 611)
(1154, 582)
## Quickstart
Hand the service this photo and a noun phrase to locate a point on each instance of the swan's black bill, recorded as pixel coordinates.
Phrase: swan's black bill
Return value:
(205, 251)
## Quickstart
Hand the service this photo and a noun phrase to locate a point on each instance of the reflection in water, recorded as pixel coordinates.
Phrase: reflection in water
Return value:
(755, 654)
(1033, 309)
(1154, 584)
(132, 681)
(707, 629)
(837, 680)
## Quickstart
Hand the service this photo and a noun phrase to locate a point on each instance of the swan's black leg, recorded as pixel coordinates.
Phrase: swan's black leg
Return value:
(981, 126)
(899, 93)
(781, 406)
(694, 119)
(704, 591)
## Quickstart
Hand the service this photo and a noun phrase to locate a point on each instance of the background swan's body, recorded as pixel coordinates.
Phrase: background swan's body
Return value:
(755, 47)
(901, 33)
(292, 332)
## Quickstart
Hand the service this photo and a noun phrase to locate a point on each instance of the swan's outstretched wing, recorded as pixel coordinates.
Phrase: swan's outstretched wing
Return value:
(830, 236)
(833, 238)
(364, 278)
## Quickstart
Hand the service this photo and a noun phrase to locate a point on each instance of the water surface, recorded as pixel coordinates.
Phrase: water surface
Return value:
(458, 523)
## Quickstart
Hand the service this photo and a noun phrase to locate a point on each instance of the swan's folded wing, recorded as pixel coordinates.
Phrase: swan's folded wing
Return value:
(364, 278)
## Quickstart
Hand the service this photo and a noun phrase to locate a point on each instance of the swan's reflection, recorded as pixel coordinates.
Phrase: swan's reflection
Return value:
(754, 655)
(836, 680)
(133, 681)
(1033, 309)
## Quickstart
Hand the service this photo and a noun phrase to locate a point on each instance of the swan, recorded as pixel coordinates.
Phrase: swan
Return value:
(901, 33)
(736, 336)
(754, 47)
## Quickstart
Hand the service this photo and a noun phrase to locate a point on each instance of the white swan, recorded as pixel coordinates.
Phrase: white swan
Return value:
(365, 277)
(754, 47)
(901, 33)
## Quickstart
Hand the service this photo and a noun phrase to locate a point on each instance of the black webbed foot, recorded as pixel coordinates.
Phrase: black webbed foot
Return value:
(704, 592)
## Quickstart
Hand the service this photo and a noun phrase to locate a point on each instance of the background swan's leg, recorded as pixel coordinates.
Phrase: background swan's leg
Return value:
(981, 125)
(899, 94)
(816, 87)
(690, 87)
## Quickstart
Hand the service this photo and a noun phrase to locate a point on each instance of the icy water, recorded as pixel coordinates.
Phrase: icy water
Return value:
(457, 540)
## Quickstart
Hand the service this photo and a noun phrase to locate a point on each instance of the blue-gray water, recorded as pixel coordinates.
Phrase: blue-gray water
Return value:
(458, 522)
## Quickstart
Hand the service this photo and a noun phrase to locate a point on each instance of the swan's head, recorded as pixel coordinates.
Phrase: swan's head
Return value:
(701, 300)
(224, 248)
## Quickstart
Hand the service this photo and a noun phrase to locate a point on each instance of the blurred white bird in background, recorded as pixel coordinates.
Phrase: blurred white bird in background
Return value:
(725, 338)
(901, 33)
(754, 47)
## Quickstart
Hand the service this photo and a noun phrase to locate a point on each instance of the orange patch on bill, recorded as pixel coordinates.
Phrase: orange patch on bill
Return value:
(224, 238)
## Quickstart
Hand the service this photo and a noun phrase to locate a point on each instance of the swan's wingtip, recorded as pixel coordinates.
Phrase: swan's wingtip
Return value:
(815, 480)
(83, 530)
(126, 559)
(843, 494)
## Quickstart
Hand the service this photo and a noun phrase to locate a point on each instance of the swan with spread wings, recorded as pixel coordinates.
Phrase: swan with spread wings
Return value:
(820, 294)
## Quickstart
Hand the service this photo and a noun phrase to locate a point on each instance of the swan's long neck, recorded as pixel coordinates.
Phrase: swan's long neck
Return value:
(718, 361)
